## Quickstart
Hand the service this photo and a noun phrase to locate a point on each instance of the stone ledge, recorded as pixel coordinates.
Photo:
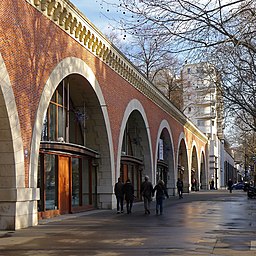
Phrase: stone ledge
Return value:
(19, 194)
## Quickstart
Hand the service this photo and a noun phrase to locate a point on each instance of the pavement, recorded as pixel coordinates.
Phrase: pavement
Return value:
(202, 223)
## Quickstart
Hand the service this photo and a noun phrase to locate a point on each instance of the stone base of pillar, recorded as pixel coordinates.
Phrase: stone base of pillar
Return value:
(18, 208)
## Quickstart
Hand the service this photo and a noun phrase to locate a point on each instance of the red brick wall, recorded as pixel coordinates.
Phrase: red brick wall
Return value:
(31, 46)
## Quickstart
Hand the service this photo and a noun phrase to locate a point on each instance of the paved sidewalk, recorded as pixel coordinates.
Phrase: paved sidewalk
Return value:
(203, 223)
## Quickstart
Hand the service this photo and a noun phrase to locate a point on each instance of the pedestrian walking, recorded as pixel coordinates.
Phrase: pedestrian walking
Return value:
(179, 186)
(146, 192)
(161, 193)
(129, 195)
(119, 193)
(193, 188)
(212, 184)
(230, 183)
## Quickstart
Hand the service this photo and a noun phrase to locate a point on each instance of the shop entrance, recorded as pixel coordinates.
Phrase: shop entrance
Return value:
(67, 182)
(132, 168)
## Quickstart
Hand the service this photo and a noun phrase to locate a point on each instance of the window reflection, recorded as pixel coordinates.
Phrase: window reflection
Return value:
(85, 178)
(50, 183)
(75, 182)
(63, 120)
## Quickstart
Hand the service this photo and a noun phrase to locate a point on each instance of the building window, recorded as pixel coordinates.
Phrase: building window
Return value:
(200, 122)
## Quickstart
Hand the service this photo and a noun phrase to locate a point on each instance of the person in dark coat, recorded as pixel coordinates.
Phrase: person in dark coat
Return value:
(179, 186)
(119, 192)
(230, 183)
(146, 191)
(161, 192)
(129, 195)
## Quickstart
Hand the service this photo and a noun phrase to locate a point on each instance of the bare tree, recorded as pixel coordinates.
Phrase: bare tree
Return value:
(152, 56)
(245, 152)
(220, 32)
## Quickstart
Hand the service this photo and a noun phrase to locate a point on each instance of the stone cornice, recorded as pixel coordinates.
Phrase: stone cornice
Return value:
(65, 15)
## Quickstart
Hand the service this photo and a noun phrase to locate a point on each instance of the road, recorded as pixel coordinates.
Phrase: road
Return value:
(203, 223)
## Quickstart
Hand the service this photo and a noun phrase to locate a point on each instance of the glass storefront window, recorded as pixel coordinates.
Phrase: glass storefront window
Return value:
(85, 179)
(51, 202)
(60, 123)
(75, 182)
(40, 204)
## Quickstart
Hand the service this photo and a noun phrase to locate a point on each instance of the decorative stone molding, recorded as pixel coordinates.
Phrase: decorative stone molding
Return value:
(65, 15)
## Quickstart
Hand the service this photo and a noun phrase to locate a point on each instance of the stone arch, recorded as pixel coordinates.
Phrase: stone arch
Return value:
(182, 162)
(12, 152)
(66, 67)
(203, 171)
(12, 171)
(164, 131)
(135, 105)
(194, 168)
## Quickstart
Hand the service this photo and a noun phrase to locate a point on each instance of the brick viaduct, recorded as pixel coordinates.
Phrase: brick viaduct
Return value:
(46, 43)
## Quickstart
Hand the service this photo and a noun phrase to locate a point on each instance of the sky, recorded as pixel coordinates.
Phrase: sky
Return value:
(97, 12)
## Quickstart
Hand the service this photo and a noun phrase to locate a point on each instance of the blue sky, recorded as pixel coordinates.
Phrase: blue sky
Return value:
(96, 12)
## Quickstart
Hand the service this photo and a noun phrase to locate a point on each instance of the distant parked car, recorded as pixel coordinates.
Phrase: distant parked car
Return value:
(238, 185)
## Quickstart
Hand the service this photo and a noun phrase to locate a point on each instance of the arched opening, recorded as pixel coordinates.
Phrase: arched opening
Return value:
(165, 160)
(183, 166)
(203, 176)
(73, 134)
(194, 171)
(135, 152)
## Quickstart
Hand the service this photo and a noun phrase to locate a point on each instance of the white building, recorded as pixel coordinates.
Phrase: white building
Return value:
(203, 104)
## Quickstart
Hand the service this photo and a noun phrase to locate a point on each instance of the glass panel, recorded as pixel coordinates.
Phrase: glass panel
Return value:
(85, 182)
(44, 136)
(61, 123)
(40, 204)
(60, 94)
(52, 123)
(75, 130)
(50, 183)
(72, 127)
(135, 181)
(75, 182)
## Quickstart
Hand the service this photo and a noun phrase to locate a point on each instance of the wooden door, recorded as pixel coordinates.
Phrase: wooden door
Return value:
(64, 185)
(125, 172)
